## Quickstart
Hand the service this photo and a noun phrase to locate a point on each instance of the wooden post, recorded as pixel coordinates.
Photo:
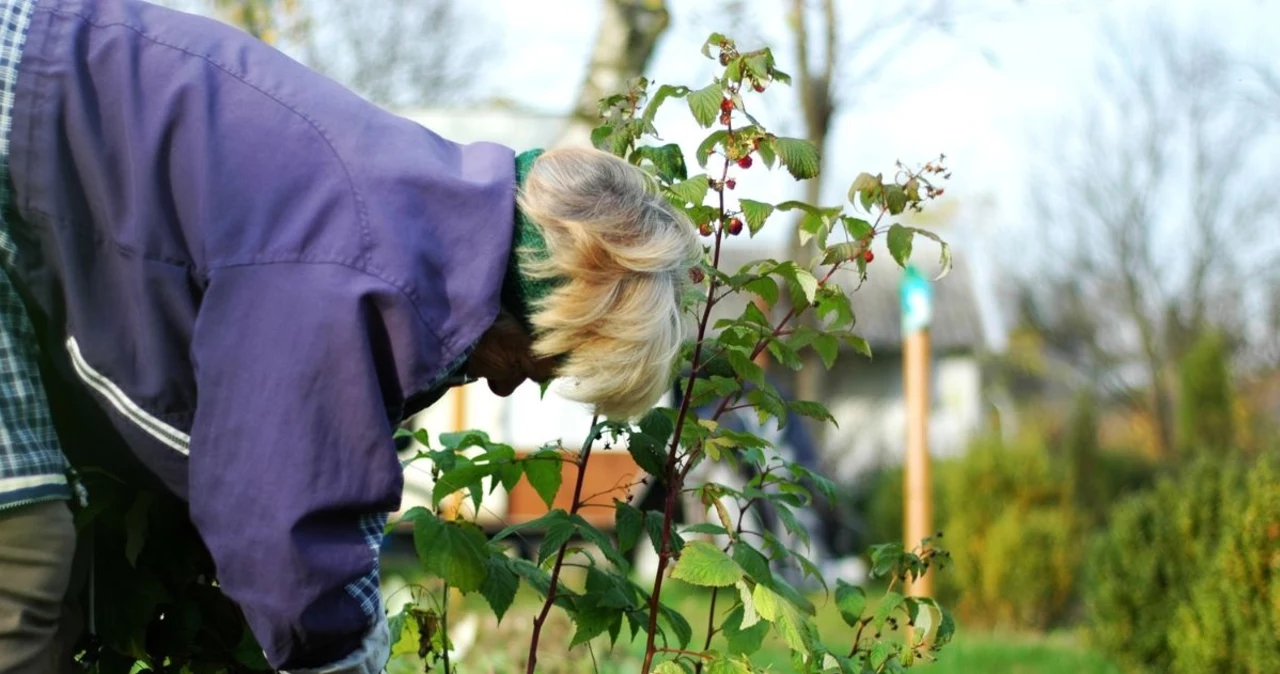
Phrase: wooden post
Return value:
(917, 489)
(917, 313)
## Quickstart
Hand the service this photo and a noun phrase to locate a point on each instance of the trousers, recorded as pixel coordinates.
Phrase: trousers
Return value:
(37, 550)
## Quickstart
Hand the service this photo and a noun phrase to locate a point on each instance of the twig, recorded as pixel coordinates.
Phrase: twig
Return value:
(584, 455)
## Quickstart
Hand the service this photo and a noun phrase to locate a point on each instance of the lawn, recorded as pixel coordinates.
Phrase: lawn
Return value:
(493, 648)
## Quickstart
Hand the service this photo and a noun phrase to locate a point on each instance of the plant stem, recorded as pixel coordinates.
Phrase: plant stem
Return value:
(444, 627)
(583, 457)
(711, 627)
(674, 477)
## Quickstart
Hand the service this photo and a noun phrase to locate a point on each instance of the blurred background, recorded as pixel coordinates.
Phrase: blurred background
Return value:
(1105, 370)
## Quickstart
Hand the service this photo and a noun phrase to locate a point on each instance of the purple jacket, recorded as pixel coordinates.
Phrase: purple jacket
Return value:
(255, 273)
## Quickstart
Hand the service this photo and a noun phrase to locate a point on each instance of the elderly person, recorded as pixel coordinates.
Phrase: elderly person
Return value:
(250, 276)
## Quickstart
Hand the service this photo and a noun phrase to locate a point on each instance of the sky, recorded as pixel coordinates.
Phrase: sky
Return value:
(990, 95)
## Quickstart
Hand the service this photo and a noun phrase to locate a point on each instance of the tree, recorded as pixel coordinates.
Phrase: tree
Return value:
(625, 41)
(1155, 208)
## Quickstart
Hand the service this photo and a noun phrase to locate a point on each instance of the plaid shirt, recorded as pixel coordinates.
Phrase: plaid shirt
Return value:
(32, 467)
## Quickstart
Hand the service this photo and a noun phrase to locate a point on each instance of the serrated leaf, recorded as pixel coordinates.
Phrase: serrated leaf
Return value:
(707, 528)
(668, 667)
(544, 521)
(784, 354)
(858, 344)
(544, 470)
(799, 156)
(924, 615)
(891, 602)
(600, 540)
(864, 181)
(813, 410)
(753, 562)
(452, 551)
(704, 564)
(782, 77)
(806, 283)
(464, 439)
(677, 623)
(467, 476)
(648, 447)
(667, 160)
(509, 475)
(705, 104)
(606, 590)
(767, 152)
(405, 636)
(755, 213)
(591, 622)
(727, 666)
(900, 243)
(692, 191)
(556, 537)
(857, 228)
(946, 629)
(764, 287)
(500, 585)
(852, 601)
(745, 368)
(715, 40)
(880, 653)
(827, 347)
(708, 144)
(659, 97)
(945, 260)
(842, 252)
(628, 522)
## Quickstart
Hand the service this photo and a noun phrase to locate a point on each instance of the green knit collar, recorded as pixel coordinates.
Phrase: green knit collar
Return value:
(521, 292)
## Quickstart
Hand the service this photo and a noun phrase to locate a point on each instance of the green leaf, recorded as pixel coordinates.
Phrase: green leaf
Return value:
(842, 252)
(706, 528)
(608, 591)
(653, 526)
(727, 666)
(865, 182)
(452, 551)
(659, 97)
(784, 354)
(707, 146)
(667, 160)
(857, 343)
(945, 260)
(799, 156)
(404, 634)
(704, 564)
(768, 154)
(813, 410)
(765, 287)
(745, 368)
(857, 228)
(601, 541)
(628, 522)
(542, 522)
(924, 614)
(649, 446)
(753, 562)
(807, 284)
(592, 622)
(500, 585)
(895, 198)
(743, 640)
(509, 475)
(668, 667)
(464, 439)
(900, 243)
(827, 348)
(880, 652)
(705, 104)
(467, 476)
(768, 604)
(852, 601)
(557, 535)
(892, 602)
(692, 191)
(946, 630)
(716, 40)
(755, 213)
(782, 77)
(683, 632)
(544, 472)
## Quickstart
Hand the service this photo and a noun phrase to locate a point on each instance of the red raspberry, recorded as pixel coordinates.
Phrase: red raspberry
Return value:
(745, 162)
(868, 256)
(726, 104)
(731, 183)
(758, 87)
(735, 226)
(696, 275)
(725, 118)
(705, 229)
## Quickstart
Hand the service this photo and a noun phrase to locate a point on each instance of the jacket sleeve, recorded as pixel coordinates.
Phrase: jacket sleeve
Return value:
(302, 371)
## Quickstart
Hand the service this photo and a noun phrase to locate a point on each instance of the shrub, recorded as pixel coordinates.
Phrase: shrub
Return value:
(1140, 569)
(1206, 414)
(1231, 622)
(1014, 535)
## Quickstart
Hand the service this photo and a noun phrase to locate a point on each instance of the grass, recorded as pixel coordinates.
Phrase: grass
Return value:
(500, 648)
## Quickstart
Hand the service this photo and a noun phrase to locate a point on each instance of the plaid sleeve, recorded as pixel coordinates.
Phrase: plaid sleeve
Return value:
(366, 589)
